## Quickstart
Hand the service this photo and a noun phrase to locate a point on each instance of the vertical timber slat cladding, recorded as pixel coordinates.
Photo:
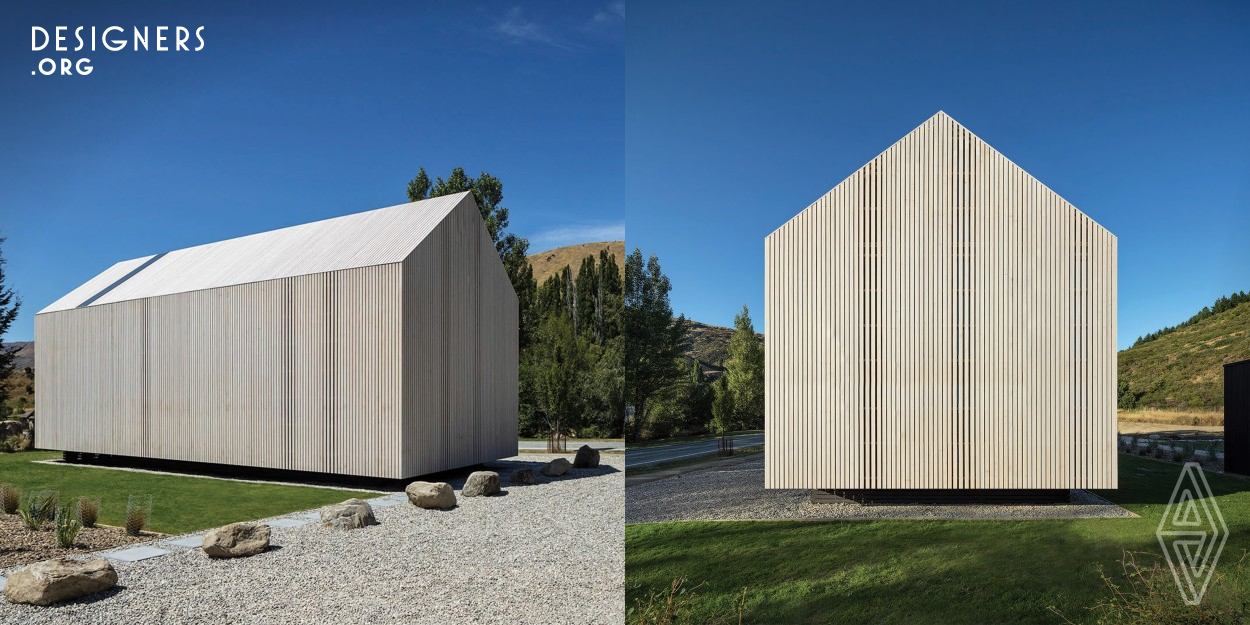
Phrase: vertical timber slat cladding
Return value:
(940, 320)
(398, 357)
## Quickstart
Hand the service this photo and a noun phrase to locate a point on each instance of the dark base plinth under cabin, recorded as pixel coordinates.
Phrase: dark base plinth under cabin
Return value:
(944, 496)
(230, 471)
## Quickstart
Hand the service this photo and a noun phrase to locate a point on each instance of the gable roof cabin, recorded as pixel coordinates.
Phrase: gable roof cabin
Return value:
(940, 320)
(379, 344)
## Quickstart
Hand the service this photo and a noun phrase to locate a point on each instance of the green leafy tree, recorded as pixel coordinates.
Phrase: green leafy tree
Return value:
(558, 365)
(606, 398)
(487, 191)
(745, 372)
(722, 406)
(654, 339)
(10, 304)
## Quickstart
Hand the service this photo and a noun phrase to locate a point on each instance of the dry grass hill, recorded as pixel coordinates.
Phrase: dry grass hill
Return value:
(1183, 369)
(549, 262)
(710, 344)
(20, 385)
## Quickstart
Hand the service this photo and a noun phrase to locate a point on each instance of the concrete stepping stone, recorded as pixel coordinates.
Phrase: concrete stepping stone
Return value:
(312, 515)
(288, 522)
(189, 542)
(3, 581)
(135, 554)
(386, 502)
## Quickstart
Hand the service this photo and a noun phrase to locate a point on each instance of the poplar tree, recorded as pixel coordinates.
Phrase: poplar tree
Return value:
(745, 372)
(654, 339)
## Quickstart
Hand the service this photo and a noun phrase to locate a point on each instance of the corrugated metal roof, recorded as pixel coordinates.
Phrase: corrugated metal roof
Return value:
(376, 237)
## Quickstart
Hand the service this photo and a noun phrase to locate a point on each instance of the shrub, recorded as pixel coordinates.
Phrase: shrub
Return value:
(17, 442)
(1149, 596)
(138, 511)
(10, 498)
(31, 521)
(88, 510)
(40, 508)
(66, 527)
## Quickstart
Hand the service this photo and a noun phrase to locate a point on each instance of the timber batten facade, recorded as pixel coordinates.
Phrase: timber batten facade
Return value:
(382, 344)
(940, 320)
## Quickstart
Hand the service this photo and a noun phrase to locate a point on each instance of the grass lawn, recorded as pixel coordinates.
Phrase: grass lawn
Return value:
(686, 439)
(918, 571)
(179, 504)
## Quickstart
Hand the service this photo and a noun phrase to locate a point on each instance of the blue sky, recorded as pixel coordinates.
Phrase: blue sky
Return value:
(739, 116)
(295, 113)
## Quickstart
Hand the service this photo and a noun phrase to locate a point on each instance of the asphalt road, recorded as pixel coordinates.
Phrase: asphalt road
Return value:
(646, 456)
(573, 444)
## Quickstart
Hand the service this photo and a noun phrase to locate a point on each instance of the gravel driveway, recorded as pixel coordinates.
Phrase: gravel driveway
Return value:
(548, 553)
(736, 492)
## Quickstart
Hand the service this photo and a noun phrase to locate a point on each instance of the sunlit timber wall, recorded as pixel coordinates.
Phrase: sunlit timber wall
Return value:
(940, 320)
(391, 371)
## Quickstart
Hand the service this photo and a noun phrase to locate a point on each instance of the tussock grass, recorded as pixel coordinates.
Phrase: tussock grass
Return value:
(1174, 417)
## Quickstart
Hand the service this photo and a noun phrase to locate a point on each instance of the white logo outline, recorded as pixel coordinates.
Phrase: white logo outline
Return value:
(1191, 550)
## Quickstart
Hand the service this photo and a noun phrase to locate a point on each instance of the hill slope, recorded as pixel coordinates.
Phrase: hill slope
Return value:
(710, 344)
(20, 400)
(549, 262)
(1184, 367)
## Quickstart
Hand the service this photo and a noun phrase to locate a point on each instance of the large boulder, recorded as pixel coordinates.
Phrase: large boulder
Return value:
(237, 540)
(431, 495)
(586, 458)
(348, 515)
(521, 477)
(12, 428)
(555, 468)
(481, 484)
(50, 581)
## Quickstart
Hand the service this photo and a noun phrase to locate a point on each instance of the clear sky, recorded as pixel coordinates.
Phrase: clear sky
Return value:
(296, 113)
(740, 114)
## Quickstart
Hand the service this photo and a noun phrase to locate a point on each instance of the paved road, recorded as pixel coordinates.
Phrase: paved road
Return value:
(646, 456)
(573, 444)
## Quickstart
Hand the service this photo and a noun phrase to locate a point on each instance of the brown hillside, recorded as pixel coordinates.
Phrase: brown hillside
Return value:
(710, 344)
(549, 262)
(20, 400)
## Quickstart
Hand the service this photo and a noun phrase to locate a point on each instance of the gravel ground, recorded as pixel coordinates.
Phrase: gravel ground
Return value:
(736, 492)
(548, 553)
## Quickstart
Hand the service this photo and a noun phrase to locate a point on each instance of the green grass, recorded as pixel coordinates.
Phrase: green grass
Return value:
(685, 439)
(179, 504)
(917, 571)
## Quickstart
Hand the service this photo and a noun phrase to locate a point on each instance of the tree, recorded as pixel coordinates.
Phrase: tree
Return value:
(722, 406)
(606, 399)
(10, 304)
(558, 364)
(654, 339)
(745, 372)
(487, 191)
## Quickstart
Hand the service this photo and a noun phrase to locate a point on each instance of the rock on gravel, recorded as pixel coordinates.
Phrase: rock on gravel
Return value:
(521, 477)
(431, 495)
(351, 514)
(477, 563)
(237, 540)
(481, 484)
(50, 581)
(555, 468)
(586, 458)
